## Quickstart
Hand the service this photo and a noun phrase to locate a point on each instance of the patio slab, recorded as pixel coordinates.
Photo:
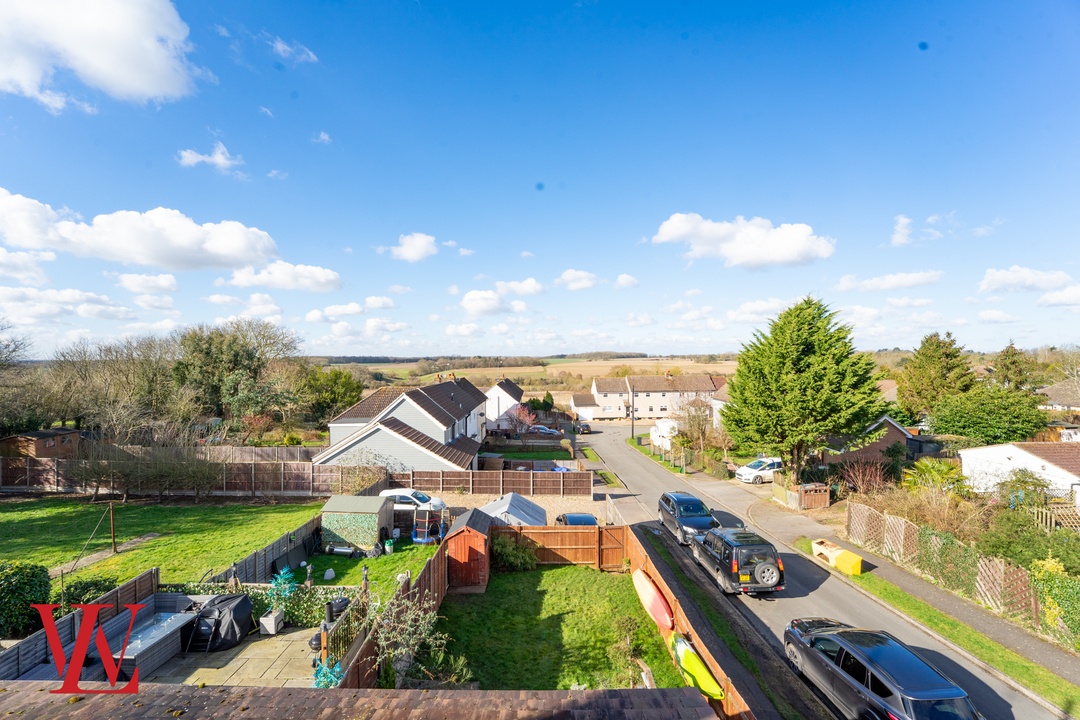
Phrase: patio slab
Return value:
(258, 661)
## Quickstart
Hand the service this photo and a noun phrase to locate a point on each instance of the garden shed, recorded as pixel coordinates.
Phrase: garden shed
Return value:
(468, 553)
(358, 521)
(513, 509)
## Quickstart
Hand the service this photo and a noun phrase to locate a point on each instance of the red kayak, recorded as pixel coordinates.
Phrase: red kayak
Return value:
(653, 600)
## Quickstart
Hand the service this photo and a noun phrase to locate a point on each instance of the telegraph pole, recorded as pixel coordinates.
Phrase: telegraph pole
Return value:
(633, 411)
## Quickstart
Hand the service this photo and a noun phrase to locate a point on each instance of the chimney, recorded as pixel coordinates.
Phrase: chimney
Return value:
(452, 377)
(438, 377)
(503, 376)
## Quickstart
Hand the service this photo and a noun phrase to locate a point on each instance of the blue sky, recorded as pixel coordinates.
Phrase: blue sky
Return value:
(534, 178)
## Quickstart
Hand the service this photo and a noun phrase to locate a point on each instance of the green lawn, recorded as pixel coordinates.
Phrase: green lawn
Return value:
(382, 571)
(548, 629)
(195, 538)
(644, 450)
(589, 453)
(609, 479)
(1031, 675)
(721, 627)
(536, 454)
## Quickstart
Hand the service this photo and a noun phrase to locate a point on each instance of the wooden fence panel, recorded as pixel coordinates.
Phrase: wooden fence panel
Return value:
(597, 546)
(1018, 597)
(989, 582)
(901, 538)
(866, 526)
(612, 546)
(237, 478)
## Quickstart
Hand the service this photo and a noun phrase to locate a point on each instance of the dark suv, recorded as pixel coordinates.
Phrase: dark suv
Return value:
(684, 515)
(740, 561)
(871, 674)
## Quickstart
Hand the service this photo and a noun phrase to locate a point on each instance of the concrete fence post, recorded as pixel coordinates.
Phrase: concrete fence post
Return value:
(531, 488)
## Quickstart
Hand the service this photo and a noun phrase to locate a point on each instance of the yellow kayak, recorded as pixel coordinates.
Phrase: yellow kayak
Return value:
(693, 668)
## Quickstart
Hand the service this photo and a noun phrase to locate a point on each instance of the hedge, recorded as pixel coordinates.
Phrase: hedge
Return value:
(22, 584)
(305, 608)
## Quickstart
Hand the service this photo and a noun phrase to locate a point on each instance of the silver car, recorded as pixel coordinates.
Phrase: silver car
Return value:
(870, 675)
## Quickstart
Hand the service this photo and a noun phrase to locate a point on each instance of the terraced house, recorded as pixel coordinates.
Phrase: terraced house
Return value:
(648, 396)
(436, 427)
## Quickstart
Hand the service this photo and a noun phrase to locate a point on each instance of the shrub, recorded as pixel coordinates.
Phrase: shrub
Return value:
(512, 555)
(292, 439)
(84, 590)
(865, 476)
(306, 606)
(22, 584)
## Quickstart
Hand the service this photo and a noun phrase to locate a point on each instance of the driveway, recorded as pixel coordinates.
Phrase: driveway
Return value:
(811, 590)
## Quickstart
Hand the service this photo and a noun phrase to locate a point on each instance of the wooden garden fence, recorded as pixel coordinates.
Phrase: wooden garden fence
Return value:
(496, 482)
(256, 567)
(602, 546)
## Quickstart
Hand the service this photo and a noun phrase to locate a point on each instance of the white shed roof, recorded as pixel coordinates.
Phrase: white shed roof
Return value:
(513, 509)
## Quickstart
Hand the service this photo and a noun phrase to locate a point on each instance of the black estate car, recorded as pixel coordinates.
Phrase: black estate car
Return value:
(739, 560)
(684, 515)
(871, 674)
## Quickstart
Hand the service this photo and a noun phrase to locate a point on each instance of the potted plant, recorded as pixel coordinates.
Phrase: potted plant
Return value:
(282, 586)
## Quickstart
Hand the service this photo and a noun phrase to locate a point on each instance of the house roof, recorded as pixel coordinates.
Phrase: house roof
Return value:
(610, 385)
(719, 381)
(39, 434)
(887, 388)
(355, 504)
(460, 452)
(513, 509)
(672, 383)
(476, 519)
(425, 403)
(456, 398)
(1065, 455)
(583, 400)
(1062, 393)
(372, 405)
(510, 388)
(723, 395)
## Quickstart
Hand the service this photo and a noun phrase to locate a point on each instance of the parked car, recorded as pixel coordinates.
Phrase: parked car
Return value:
(405, 499)
(544, 430)
(684, 515)
(759, 471)
(584, 429)
(575, 519)
(741, 561)
(871, 674)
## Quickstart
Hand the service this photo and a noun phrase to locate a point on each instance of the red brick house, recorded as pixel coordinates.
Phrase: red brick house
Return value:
(894, 433)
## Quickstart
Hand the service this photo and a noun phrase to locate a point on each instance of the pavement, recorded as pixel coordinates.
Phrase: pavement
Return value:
(814, 591)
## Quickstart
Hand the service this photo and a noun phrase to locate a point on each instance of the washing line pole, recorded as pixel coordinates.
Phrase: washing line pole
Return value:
(112, 527)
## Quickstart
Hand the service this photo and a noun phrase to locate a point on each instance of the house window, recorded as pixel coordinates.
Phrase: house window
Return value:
(620, 394)
(663, 394)
(65, 439)
(648, 394)
(636, 394)
(650, 408)
(663, 408)
(605, 394)
(607, 408)
(50, 443)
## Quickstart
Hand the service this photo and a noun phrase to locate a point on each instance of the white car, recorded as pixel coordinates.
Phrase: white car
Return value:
(759, 471)
(405, 499)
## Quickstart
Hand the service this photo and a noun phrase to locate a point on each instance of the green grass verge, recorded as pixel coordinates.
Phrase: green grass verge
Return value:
(609, 479)
(1034, 677)
(644, 450)
(382, 571)
(589, 453)
(550, 628)
(721, 627)
(536, 454)
(195, 538)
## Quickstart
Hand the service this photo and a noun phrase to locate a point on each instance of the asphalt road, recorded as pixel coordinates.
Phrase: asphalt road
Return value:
(811, 590)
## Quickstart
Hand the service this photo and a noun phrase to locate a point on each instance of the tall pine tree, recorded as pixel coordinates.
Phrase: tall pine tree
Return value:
(1014, 369)
(800, 384)
(937, 369)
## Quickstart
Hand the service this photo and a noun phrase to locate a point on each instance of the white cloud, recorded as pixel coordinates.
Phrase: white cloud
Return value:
(906, 302)
(639, 320)
(1018, 279)
(219, 159)
(501, 329)
(291, 51)
(265, 110)
(895, 281)
(377, 326)
(224, 300)
(132, 51)
(161, 237)
(760, 310)
(677, 307)
(996, 316)
(286, 276)
(376, 302)
(1067, 296)
(161, 303)
(30, 306)
(148, 283)
(576, 279)
(983, 231)
(518, 306)
(322, 138)
(626, 281)
(24, 267)
(483, 302)
(332, 312)
(453, 290)
(526, 253)
(529, 286)
(220, 30)
(161, 326)
(435, 318)
(928, 319)
(692, 292)
(466, 330)
(399, 289)
(449, 243)
(277, 175)
(860, 316)
(465, 252)
(751, 243)
(411, 248)
(261, 305)
(902, 230)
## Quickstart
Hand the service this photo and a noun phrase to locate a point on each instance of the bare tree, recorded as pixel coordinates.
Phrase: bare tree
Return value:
(271, 342)
(694, 415)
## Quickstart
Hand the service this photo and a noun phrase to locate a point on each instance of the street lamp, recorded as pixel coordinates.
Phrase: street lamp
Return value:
(633, 411)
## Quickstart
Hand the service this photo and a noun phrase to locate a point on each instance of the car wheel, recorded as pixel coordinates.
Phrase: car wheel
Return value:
(720, 581)
(767, 574)
(793, 658)
(660, 518)
(680, 537)
(696, 561)
(757, 479)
